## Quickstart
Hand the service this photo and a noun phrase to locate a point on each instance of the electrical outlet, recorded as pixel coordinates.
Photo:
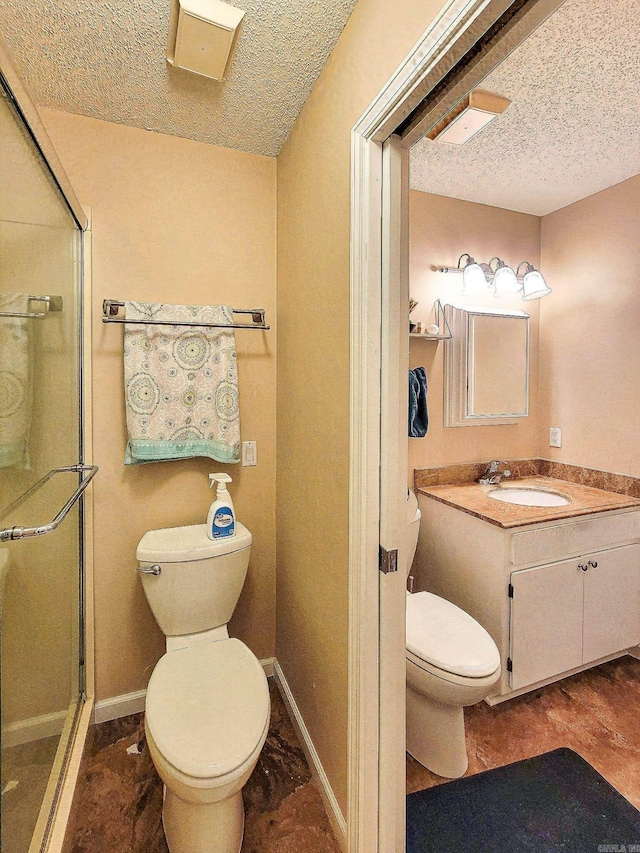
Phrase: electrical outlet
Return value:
(555, 437)
(249, 453)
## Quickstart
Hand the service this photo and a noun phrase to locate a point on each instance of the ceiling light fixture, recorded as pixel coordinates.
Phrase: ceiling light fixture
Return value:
(468, 117)
(201, 36)
(477, 278)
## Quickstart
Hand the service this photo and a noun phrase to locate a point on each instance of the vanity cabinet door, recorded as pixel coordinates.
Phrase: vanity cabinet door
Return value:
(546, 622)
(611, 601)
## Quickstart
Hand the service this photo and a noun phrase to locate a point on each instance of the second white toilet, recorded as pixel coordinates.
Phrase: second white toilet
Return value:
(451, 662)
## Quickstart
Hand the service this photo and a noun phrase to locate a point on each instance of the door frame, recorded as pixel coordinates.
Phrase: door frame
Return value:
(375, 715)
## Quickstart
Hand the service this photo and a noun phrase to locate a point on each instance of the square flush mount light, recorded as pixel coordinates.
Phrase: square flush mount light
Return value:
(201, 36)
(469, 117)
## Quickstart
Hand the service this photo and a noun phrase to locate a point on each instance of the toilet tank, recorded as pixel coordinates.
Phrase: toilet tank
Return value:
(413, 528)
(200, 579)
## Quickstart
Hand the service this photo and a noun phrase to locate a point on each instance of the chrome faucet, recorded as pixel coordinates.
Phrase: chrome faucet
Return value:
(493, 475)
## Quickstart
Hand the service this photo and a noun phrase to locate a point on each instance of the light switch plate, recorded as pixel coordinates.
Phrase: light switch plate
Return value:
(555, 437)
(249, 453)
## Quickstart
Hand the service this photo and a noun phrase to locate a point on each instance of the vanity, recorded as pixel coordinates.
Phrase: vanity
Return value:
(557, 587)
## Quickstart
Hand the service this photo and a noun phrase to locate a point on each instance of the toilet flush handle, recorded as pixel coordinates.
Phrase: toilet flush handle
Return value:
(150, 570)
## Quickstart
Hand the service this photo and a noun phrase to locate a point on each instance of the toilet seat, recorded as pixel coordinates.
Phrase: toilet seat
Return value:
(207, 708)
(441, 635)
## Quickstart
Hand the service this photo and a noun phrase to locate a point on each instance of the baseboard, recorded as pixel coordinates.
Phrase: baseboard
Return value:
(119, 706)
(33, 728)
(133, 703)
(331, 805)
(268, 664)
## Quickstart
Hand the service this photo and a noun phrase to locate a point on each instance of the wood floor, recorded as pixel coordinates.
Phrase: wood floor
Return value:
(595, 713)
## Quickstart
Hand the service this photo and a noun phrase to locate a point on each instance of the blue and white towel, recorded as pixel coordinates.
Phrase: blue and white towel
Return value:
(418, 415)
(181, 384)
(16, 383)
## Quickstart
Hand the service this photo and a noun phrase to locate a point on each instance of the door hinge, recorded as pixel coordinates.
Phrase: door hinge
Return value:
(509, 665)
(510, 590)
(388, 560)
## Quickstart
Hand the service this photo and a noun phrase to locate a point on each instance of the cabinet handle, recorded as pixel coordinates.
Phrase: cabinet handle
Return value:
(593, 564)
(583, 567)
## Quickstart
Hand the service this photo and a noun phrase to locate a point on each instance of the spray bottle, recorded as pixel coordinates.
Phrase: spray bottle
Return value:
(221, 519)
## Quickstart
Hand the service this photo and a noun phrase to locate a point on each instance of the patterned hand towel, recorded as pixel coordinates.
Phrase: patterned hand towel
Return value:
(181, 384)
(16, 386)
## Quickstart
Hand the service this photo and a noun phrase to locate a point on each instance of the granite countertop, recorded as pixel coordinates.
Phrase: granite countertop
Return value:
(473, 499)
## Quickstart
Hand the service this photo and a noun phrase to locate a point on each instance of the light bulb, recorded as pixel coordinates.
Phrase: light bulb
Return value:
(534, 285)
(473, 280)
(505, 281)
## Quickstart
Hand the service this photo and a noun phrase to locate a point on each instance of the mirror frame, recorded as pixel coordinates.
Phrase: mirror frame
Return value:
(457, 369)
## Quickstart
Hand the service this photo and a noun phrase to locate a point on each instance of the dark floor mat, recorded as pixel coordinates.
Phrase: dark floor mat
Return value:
(553, 802)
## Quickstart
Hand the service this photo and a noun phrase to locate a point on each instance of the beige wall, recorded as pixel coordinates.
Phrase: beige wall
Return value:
(441, 229)
(591, 341)
(173, 221)
(313, 368)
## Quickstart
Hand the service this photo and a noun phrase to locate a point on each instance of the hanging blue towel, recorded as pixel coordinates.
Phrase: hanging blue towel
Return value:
(418, 415)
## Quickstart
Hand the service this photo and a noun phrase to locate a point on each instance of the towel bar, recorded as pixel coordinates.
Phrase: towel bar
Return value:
(111, 307)
(51, 303)
(12, 533)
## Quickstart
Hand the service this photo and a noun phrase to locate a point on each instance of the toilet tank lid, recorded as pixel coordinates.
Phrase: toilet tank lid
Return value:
(183, 544)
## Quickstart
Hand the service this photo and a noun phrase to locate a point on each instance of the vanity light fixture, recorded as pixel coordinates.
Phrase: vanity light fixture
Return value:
(477, 278)
(474, 280)
(505, 280)
(533, 284)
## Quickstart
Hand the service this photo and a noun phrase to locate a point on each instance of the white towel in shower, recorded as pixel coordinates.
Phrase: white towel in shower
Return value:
(181, 384)
(16, 383)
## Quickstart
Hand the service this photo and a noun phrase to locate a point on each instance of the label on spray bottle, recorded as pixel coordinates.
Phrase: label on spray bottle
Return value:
(223, 524)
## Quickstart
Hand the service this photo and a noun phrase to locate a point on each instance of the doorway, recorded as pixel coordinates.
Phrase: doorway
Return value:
(461, 47)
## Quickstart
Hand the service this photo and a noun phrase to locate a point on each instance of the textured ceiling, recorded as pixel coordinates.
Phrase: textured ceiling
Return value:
(106, 59)
(573, 127)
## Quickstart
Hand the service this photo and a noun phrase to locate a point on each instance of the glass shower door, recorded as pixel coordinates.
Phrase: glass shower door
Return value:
(40, 449)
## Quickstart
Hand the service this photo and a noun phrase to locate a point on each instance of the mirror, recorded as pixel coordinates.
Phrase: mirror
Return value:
(486, 367)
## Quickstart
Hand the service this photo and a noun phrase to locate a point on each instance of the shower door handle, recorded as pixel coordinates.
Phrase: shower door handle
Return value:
(12, 533)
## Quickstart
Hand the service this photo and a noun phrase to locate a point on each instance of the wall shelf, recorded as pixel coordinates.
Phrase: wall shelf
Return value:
(441, 321)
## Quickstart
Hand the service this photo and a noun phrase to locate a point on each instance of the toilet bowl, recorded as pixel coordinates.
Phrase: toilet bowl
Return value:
(207, 703)
(451, 662)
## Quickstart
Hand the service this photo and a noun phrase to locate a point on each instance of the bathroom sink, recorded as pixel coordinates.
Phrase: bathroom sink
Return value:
(529, 497)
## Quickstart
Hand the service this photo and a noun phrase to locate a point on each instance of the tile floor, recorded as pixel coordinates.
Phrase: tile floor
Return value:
(119, 796)
(596, 713)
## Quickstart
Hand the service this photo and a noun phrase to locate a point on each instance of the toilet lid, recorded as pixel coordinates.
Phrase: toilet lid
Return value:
(207, 707)
(445, 636)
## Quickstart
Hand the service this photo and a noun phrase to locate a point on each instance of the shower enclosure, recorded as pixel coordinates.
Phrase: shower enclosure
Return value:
(42, 474)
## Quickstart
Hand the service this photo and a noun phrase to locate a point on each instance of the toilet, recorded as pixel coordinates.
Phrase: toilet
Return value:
(452, 662)
(207, 703)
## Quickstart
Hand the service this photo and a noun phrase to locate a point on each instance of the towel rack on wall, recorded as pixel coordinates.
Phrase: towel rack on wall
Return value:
(51, 303)
(111, 307)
